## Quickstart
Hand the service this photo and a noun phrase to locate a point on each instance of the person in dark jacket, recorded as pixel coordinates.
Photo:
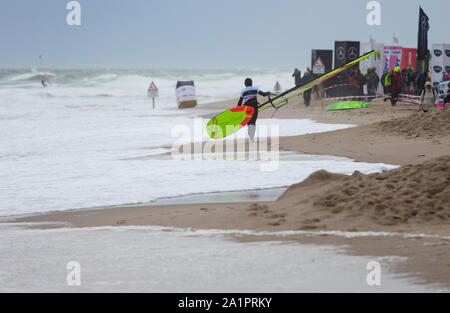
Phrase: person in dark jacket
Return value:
(297, 77)
(396, 85)
(410, 81)
(447, 98)
(361, 81)
(248, 97)
(377, 81)
(421, 80)
(353, 82)
(371, 79)
(307, 94)
(383, 82)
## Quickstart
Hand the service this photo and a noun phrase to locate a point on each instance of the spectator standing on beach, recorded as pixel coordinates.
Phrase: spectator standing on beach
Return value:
(297, 77)
(446, 76)
(353, 82)
(342, 81)
(316, 89)
(416, 86)
(396, 85)
(361, 79)
(447, 98)
(383, 82)
(404, 81)
(371, 79)
(307, 94)
(377, 81)
(421, 80)
(410, 81)
(427, 98)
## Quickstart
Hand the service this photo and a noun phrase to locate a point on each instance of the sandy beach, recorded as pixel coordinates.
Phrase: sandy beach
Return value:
(156, 148)
(404, 212)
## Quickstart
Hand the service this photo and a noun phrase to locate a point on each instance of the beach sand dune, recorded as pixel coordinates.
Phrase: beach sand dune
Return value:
(429, 125)
(413, 194)
(413, 199)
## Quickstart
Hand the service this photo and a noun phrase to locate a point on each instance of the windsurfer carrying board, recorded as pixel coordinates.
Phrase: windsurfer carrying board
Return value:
(248, 97)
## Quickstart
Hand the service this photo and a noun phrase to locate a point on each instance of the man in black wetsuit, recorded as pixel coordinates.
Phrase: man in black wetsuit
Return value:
(298, 77)
(248, 97)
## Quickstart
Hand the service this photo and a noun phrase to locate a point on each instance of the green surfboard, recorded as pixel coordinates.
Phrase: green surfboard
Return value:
(348, 105)
(229, 122)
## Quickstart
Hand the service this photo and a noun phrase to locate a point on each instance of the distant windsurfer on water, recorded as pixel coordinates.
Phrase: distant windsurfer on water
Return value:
(248, 97)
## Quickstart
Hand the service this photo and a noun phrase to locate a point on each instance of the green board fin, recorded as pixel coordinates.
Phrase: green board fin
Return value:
(348, 105)
(229, 122)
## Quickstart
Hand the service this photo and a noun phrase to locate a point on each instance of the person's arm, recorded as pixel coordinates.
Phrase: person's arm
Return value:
(264, 94)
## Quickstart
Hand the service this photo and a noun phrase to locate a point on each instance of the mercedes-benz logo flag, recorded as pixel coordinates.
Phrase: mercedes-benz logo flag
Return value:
(345, 51)
(422, 42)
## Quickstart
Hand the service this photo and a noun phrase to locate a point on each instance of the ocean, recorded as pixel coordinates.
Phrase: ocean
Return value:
(92, 139)
(129, 86)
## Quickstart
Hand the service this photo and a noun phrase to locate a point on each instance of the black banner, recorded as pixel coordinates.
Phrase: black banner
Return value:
(422, 41)
(345, 51)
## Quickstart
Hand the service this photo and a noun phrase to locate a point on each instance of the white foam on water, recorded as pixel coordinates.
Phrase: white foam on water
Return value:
(151, 259)
(285, 233)
(86, 142)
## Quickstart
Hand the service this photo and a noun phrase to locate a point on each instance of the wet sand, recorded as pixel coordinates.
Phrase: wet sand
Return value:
(305, 206)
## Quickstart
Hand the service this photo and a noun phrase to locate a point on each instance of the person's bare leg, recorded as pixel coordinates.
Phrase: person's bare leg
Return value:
(251, 131)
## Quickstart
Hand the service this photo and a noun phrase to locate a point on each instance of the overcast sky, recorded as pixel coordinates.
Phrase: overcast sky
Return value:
(275, 34)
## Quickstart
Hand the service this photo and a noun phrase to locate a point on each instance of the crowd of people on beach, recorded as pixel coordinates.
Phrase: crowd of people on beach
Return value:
(353, 84)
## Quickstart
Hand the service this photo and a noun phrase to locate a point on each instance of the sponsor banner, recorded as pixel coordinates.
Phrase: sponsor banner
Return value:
(392, 57)
(374, 61)
(440, 62)
(447, 58)
(386, 58)
(408, 58)
(422, 42)
(346, 51)
(395, 58)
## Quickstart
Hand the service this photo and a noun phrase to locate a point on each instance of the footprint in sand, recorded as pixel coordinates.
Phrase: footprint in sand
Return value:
(277, 223)
(277, 215)
(257, 207)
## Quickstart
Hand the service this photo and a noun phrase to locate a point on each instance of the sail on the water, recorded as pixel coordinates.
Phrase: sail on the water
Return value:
(45, 81)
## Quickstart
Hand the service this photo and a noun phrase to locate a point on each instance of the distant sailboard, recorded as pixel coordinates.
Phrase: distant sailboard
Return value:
(237, 118)
(45, 81)
(46, 77)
